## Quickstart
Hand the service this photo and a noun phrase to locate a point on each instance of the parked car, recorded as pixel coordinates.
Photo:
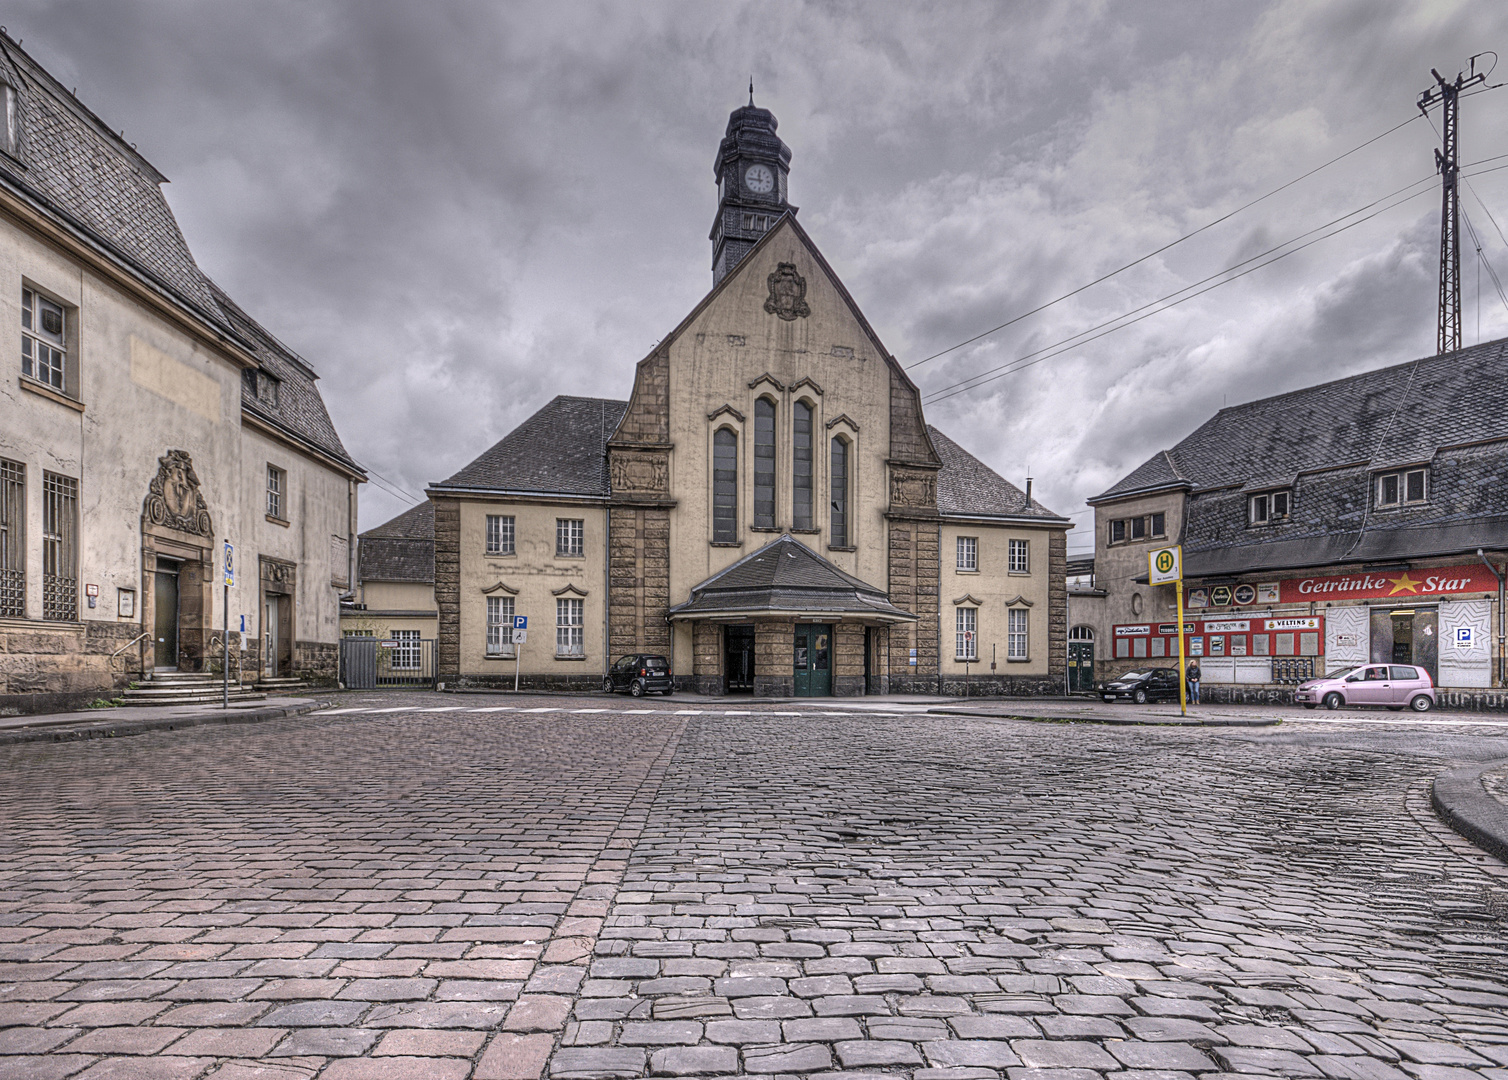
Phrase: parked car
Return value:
(1397, 686)
(639, 674)
(1152, 684)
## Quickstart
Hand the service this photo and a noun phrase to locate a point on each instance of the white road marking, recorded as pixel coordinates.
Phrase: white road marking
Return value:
(496, 708)
(547, 709)
(337, 712)
(400, 708)
(1436, 722)
(579, 711)
(443, 708)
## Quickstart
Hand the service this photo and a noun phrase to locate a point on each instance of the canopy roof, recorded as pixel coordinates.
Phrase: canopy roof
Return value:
(787, 578)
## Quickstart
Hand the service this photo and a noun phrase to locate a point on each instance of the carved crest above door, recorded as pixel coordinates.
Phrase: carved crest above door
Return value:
(174, 500)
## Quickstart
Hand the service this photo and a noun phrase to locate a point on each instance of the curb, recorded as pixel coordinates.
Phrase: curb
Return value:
(1464, 804)
(117, 729)
(1115, 721)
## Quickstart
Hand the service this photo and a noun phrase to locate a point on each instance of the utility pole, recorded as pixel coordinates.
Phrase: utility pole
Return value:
(1447, 95)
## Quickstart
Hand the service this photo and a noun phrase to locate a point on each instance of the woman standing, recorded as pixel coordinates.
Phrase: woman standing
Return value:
(1192, 674)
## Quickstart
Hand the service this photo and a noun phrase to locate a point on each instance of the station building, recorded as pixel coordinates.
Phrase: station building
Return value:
(1364, 519)
(768, 508)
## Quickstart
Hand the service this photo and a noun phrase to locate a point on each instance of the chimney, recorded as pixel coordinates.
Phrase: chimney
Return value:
(1028, 490)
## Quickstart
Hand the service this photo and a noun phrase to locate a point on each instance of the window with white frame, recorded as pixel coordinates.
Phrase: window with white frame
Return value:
(1017, 561)
(966, 633)
(1401, 488)
(968, 553)
(569, 639)
(406, 650)
(44, 352)
(1269, 507)
(499, 626)
(1016, 636)
(499, 534)
(570, 536)
(277, 486)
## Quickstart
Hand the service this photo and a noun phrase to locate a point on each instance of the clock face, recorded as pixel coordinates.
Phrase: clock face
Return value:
(759, 179)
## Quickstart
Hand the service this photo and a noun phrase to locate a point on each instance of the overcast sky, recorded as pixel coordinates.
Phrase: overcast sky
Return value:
(455, 211)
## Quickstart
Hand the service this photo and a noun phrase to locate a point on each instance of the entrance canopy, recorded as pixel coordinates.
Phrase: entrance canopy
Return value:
(788, 579)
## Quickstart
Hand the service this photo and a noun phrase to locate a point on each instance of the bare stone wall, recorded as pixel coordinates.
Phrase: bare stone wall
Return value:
(774, 652)
(706, 658)
(1057, 609)
(848, 660)
(914, 551)
(638, 580)
(448, 587)
(59, 667)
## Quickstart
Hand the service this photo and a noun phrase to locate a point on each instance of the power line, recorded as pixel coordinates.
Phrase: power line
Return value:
(1058, 347)
(1165, 247)
(1483, 261)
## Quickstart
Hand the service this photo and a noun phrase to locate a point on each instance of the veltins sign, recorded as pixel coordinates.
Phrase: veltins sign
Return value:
(1402, 585)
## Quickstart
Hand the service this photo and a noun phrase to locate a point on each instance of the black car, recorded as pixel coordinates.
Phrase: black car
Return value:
(1149, 684)
(640, 673)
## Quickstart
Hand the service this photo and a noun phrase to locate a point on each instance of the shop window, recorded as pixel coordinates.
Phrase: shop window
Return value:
(1402, 488)
(1269, 507)
(1122, 648)
(1159, 646)
(1260, 644)
(1283, 645)
(1139, 647)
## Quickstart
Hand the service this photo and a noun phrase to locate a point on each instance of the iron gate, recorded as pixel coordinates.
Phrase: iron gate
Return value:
(367, 663)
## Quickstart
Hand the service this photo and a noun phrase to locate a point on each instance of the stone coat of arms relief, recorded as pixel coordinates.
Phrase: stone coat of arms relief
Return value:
(174, 500)
(787, 293)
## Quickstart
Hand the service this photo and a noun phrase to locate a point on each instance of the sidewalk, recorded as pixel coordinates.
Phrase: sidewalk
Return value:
(117, 723)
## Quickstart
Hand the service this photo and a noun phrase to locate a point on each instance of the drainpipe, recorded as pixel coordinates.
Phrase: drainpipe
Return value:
(1502, 617)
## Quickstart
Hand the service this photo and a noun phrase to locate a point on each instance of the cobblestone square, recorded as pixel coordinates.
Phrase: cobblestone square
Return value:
(431, 886)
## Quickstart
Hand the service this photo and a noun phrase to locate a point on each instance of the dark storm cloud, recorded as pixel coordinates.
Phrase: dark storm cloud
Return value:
(458, 210)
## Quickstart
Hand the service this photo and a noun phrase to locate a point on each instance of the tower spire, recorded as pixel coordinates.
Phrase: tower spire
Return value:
(751, 171)
(751, 91)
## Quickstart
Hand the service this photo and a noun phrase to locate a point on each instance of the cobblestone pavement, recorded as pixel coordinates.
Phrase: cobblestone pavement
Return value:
(506, 894)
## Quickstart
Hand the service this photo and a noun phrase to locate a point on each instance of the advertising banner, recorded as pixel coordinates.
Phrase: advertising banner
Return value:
(1402, 585)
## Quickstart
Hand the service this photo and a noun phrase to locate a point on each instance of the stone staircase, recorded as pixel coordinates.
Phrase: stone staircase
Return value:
(187, 688)
(282, 686)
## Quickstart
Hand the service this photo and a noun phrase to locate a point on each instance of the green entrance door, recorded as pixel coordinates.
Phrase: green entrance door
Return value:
(813, 660)
(1080, 666)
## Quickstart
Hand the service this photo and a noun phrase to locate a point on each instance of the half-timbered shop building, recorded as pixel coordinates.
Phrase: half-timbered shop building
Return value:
(768, 509)
(1361, 521)
(145, 420)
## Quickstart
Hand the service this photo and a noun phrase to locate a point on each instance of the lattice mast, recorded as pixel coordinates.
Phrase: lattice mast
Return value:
(1448, 95)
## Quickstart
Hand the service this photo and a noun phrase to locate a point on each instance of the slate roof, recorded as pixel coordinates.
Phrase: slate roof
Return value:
(402, 549)
(298, 408)
(73, 167)
(787, 576)
(966, 485)
(68, 159)
(560, 450)
(1438, 401)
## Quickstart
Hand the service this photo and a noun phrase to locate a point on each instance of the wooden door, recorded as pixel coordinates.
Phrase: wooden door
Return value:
(165, 623)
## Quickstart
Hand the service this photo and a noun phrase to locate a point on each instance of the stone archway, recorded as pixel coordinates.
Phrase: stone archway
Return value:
(177, 566)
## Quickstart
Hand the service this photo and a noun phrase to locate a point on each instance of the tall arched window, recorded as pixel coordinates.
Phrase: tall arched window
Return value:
(838, 478)
(764, 464)
(801, 468)
(724, 486)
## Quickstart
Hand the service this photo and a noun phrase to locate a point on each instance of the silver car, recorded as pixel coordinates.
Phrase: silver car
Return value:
(1395, 686)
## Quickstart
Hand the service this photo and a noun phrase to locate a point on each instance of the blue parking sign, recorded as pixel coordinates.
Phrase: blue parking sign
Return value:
(520, 622)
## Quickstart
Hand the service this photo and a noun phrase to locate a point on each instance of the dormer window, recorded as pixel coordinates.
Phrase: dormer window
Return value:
(1402, 488)
(8, 138)
(1269, 507)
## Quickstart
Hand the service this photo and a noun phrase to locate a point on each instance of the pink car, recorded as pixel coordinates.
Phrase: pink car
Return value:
(1397, 686)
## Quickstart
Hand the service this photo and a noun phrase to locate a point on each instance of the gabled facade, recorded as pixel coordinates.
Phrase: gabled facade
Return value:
(771, 414)
(1363, 520)
(145, 419)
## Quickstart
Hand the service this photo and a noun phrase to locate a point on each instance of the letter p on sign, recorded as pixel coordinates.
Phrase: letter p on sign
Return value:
(1165, 565)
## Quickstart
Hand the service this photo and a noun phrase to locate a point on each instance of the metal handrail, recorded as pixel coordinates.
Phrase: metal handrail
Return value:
(133, 641)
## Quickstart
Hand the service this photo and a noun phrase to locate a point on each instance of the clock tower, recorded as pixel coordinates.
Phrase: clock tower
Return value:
(751, 169)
